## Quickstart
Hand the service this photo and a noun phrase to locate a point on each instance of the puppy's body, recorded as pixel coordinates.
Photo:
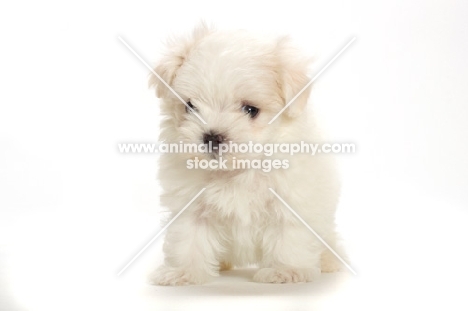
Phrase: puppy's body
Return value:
(237, 220)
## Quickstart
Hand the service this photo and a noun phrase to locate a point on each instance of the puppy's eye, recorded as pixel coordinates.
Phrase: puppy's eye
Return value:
(250, 110)
(189, 104)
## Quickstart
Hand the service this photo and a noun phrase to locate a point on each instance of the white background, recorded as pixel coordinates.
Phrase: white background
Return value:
(73, 211)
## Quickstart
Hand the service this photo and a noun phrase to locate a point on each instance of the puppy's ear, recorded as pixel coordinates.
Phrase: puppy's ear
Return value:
(178, 49)
(292, 76)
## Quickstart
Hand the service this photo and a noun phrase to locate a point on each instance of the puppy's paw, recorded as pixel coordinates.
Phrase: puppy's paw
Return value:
(330, 266)
(175, 277)
(285, 275)
(329, 263)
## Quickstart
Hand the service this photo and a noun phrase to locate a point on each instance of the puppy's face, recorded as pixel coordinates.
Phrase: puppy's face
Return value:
(233, 82)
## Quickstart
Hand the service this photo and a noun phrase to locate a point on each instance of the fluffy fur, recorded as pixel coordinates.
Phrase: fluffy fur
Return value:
(237, 221)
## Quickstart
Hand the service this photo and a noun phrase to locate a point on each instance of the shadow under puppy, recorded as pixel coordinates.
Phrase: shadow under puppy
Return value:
(237, 83)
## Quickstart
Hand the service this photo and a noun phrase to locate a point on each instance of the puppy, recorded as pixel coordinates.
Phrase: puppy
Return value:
(237, 83)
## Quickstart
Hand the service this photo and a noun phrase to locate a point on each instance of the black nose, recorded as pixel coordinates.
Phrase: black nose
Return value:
(214, 138)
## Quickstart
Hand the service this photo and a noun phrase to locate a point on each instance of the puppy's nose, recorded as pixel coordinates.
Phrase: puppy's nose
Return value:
(214, 138)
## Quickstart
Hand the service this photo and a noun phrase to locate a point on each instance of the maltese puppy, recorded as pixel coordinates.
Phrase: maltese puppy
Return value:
(237, 83)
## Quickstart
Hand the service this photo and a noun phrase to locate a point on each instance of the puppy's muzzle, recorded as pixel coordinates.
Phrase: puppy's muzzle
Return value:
(214, 139)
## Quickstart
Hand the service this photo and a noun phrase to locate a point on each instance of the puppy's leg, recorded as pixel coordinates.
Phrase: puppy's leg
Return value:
(190, 247)
(290, 254)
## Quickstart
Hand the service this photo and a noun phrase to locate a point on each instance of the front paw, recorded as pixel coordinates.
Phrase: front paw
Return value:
(285, 275)
(169, 276)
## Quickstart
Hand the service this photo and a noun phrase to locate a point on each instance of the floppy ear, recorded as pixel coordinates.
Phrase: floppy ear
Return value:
(178, 49)
(292, 72)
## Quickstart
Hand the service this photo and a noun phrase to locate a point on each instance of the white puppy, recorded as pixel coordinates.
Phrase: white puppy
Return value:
(237, 83)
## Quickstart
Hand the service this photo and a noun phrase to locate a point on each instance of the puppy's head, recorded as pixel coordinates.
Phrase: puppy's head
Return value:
(234, 82)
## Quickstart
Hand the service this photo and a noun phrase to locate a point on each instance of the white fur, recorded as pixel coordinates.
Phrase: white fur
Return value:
(237, 221)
